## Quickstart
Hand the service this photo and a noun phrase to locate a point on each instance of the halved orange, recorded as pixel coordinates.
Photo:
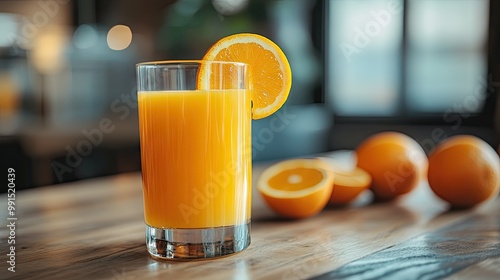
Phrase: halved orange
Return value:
(348, 185)
(297, 188)
(270, 73)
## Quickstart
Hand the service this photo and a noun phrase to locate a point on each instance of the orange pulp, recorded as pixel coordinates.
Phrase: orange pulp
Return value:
(196, 157)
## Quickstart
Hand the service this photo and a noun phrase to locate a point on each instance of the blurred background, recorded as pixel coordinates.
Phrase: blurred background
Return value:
(68, 109)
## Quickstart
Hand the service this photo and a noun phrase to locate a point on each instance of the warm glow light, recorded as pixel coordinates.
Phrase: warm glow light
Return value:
(48, 50)
(119, 37)
(9, 95)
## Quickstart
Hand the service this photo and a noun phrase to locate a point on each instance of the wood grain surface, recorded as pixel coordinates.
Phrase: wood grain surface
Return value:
(94, 229)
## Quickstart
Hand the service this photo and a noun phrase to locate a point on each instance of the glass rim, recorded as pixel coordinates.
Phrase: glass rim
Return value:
(159, 63)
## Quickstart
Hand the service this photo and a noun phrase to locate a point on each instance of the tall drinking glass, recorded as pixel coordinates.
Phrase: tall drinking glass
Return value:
(194, 119)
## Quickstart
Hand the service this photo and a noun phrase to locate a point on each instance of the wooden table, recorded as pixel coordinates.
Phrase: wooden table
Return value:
(94, 229)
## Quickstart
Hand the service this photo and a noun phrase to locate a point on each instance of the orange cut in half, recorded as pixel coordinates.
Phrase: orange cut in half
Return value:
(270, 73)
(297, 188)
(349, 185)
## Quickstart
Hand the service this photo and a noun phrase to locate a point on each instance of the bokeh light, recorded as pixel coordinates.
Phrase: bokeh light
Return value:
(85, 37)
(229, 7)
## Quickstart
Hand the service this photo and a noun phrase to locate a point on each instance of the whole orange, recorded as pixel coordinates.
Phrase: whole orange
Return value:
(395, 161)
(464, 171)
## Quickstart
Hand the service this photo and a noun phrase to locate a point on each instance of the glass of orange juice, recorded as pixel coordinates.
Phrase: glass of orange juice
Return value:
(194, 121)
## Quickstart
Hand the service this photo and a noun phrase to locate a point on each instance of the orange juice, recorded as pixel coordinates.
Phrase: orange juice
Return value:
(196, 157)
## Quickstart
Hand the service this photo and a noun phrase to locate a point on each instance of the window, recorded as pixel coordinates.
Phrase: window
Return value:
(397, 58)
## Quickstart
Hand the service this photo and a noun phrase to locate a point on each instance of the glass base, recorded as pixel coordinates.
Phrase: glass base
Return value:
(196, 243)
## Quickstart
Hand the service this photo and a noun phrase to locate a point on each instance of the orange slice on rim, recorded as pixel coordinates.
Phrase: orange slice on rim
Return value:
(270, 71)
(297, 188)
